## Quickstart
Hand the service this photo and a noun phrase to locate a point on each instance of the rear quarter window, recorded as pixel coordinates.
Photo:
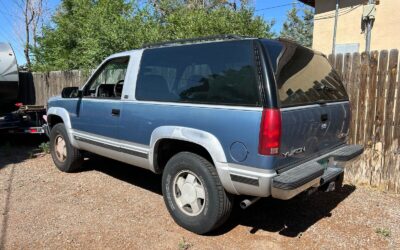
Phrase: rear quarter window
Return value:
(211, 73)
(303, 77)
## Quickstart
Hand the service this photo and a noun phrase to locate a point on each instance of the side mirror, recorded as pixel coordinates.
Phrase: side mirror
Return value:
(71, 92)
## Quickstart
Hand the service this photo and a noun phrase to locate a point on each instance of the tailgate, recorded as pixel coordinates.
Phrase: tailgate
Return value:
(308, 132)
(314, 105)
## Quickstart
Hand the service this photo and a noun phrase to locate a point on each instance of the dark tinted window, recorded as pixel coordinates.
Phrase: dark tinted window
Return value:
(274, 49)
(304, 77)
(212, 73)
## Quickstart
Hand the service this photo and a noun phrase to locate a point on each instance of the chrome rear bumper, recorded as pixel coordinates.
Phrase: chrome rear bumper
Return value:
(243, 180)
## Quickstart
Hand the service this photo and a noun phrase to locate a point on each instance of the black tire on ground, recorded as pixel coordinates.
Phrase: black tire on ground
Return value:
(217, 202)
(73, 159)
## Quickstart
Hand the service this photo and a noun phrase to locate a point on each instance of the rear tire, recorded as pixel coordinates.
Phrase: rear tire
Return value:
(193, 193)
(65, 156)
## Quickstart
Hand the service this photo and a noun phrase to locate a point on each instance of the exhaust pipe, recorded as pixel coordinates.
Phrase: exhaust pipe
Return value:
(311, 191)
(248, 202)
(331, 187)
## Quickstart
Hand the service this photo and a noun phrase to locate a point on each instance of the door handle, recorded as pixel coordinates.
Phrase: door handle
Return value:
(115, 112)
(324, 117)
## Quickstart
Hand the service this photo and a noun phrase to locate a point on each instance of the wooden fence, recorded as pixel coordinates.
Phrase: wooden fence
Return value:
(51, 83)
(373, 84)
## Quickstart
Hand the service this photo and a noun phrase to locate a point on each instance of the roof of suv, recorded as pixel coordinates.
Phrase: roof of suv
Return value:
(208, 39)
(200, 40)
(179, 42)
(196, 40)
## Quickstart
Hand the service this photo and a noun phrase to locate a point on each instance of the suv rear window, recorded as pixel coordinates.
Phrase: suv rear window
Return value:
(303, 77)
(211, 73)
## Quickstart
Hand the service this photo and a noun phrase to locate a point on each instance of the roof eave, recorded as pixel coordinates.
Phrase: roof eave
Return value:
(308, 2)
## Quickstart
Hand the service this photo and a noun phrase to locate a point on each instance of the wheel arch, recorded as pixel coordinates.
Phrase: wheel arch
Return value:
(199, 141)
(53, 120)
(57, 115)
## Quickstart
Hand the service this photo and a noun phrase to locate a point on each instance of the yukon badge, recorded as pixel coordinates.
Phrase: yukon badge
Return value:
(294, 152)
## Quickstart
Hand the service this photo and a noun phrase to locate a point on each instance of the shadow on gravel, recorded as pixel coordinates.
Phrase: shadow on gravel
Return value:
(288, 218)
(15, 148)
(131, 174)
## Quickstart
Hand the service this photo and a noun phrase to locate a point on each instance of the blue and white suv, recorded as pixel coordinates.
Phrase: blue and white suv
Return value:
(217, 117)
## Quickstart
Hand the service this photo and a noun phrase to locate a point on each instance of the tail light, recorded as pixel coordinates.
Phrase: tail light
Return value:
(19, 104)
(33, 130)
(270, 132)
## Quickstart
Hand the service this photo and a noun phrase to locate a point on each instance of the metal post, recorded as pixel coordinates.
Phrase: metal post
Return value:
(369, 31)
(335, 28)
(368, 38)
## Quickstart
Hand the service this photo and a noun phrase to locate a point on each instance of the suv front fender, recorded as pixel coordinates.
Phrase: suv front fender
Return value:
(64, 115)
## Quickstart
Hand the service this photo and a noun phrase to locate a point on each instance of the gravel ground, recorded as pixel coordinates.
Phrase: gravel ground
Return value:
(112, 205)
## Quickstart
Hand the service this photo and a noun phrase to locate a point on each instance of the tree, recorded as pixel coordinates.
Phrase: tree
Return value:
(84, 32)
(32, 11)
(184, 22)
(299, 28)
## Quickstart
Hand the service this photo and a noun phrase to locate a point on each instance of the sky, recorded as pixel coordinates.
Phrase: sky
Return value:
(11, 18)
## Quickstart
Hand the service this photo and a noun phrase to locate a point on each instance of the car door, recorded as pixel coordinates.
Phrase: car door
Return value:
(100, 106)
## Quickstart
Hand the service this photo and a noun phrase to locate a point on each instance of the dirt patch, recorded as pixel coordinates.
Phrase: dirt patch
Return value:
(113, 205)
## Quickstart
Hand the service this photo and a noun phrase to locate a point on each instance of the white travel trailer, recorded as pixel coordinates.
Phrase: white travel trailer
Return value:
(15, 117)
(9, 80)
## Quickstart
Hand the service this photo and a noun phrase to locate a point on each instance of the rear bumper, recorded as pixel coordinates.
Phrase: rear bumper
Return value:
(25, 120)
(244, 180)
(283, 191)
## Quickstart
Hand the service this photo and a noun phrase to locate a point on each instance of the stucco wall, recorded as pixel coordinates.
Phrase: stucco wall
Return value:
(385, 32)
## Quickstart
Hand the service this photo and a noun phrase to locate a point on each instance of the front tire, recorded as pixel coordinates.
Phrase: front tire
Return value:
(65, 156)
(193, 193)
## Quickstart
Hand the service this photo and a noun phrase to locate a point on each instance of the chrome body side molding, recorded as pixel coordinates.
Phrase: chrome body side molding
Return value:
(131, 153)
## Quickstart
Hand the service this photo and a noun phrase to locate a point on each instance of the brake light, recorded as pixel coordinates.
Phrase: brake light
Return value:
(33, 130)
(19, 104)
(270, 132)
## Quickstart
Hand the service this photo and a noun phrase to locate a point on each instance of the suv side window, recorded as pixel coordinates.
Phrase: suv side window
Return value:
(108, 80)
(210, 73)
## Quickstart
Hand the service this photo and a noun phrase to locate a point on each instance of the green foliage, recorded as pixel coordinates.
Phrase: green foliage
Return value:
(182, 23)
(84, 32)
(299, 28)
(383, 231)
(184, 245)
(45, 147)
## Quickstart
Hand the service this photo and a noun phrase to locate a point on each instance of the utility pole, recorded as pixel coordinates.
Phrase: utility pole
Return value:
(335, 28)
